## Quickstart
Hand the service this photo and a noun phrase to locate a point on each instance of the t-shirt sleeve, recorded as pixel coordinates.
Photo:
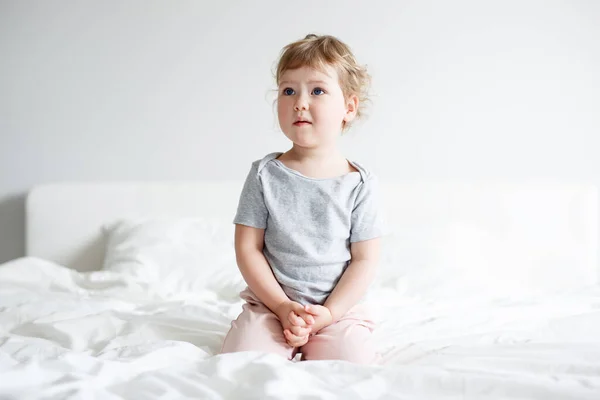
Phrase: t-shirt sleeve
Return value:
(252, 210)
(367, 216)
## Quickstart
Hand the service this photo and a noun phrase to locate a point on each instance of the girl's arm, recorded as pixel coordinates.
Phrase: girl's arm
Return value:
(356, 279)
(255, 268)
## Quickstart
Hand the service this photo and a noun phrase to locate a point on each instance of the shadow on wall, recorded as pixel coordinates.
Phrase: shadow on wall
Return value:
(12, 226)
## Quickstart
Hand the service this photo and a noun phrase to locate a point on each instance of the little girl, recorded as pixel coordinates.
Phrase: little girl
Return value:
(308, 222)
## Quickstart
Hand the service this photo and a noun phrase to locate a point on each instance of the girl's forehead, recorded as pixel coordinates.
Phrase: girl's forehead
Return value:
(303, 74)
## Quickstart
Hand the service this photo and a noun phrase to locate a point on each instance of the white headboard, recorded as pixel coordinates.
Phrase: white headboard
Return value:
(64, 220)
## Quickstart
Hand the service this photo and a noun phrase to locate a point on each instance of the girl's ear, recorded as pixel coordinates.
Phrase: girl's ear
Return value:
(351, 108)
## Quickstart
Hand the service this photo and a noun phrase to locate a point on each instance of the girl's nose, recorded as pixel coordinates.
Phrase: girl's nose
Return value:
(301, 104)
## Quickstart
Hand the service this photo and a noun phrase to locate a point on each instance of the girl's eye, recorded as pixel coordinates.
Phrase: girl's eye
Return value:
(318, 91)
(288, 91)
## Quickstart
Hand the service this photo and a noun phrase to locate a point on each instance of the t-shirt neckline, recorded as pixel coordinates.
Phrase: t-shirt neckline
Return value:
(295, 172)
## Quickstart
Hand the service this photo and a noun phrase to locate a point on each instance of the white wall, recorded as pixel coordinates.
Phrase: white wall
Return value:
(179, 90)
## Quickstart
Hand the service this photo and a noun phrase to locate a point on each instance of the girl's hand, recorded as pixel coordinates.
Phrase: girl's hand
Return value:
(322, 315)
(296, 340)
(295, 322)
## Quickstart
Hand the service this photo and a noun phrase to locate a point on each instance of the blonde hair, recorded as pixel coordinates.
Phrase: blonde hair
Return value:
(320, 51)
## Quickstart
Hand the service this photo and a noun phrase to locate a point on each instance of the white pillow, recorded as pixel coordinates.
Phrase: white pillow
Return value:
(462, 258)
(497, 239)
(174, 256)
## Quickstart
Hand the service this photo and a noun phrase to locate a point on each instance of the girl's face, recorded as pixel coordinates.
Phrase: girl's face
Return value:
(311, 106)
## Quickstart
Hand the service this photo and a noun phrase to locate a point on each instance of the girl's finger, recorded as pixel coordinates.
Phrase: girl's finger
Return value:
(311, 310)
(291, 318)
(289, 335)
(295, 319)
(309, 319)
(300, 321)
(299, 331)
(292, 340)
(302, 341)
(300, 311)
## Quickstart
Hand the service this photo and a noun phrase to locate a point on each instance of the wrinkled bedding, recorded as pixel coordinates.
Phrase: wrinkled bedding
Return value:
(107, 335)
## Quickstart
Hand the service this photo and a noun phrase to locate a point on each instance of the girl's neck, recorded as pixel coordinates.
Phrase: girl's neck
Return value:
(315, 155)
(317, 163)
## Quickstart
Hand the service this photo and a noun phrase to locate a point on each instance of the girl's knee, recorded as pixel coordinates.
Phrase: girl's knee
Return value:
(352, 343)
(237, 341)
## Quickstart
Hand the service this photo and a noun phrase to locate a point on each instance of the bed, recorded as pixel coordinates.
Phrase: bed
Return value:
(485, 291)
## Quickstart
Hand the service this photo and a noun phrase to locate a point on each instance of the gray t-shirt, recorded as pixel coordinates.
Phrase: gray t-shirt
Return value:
(309, 223)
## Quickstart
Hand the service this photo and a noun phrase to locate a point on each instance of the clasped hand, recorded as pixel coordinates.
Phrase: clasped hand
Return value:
(300, 322)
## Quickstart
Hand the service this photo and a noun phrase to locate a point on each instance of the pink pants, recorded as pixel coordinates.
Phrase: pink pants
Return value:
(258, 329)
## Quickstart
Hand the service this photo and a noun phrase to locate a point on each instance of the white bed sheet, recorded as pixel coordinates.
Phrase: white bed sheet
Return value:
(66, 334)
